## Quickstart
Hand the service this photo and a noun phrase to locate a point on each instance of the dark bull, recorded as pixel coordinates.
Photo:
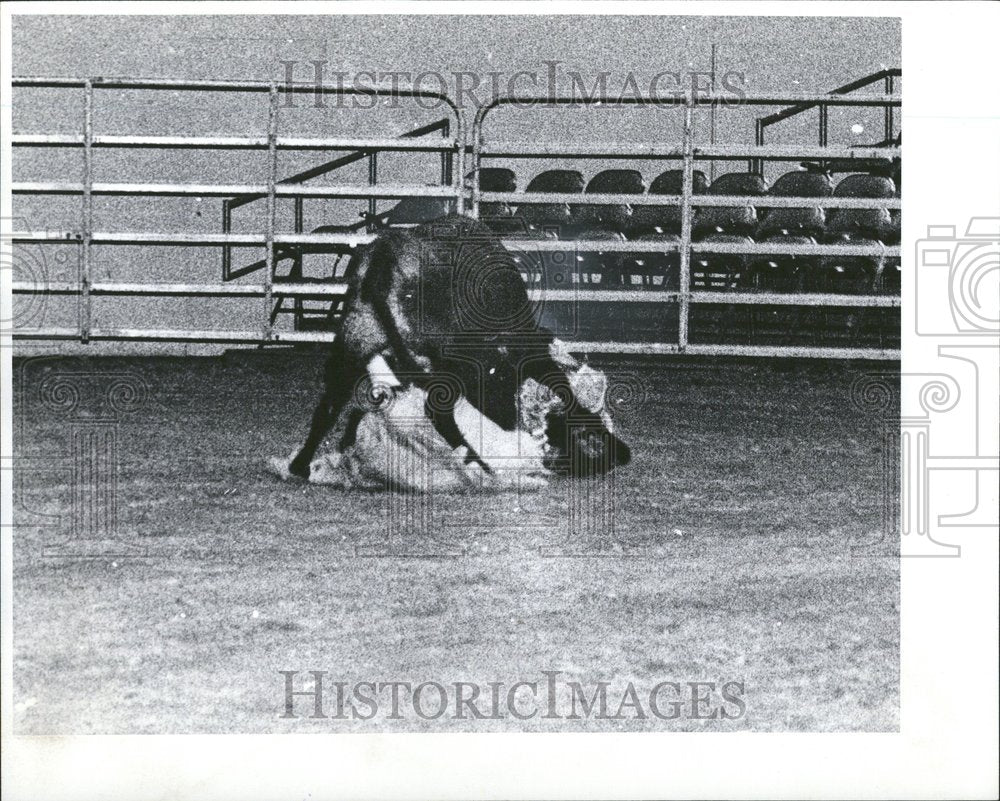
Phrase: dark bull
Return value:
(445, 302)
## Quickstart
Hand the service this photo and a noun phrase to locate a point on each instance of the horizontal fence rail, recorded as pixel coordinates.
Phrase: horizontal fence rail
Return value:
(207, 336)
(236, 143)
(697, 201)
(657, 150)
(730, 248)
(192, 239)
(452, 189)
(182, 290)
(225, 190)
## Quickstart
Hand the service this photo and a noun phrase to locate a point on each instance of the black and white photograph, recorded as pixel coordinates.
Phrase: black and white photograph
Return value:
(433, 371)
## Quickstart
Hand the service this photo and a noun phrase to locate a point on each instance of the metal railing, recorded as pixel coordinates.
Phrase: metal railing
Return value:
(363, 149)
(688, 153)
(85, 237)
(888, 79)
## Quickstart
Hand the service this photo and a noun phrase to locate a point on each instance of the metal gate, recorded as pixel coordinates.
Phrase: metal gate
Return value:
(452, 149)
(687, 153)
(85, 238)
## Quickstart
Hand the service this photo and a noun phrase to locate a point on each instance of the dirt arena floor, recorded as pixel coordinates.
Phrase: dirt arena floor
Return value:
(748, 543)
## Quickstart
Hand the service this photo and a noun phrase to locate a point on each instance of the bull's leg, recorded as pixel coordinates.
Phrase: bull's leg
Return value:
(323, 419)
(350, 433)
(341, 382)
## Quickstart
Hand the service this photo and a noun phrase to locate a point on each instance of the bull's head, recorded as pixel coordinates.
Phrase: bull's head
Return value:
(578, 429)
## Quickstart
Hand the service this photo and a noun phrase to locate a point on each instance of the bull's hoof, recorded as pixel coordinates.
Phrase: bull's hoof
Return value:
(285, 469)
(298, 470)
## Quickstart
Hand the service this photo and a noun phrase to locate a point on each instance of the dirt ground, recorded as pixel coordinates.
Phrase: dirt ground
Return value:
(747, 542)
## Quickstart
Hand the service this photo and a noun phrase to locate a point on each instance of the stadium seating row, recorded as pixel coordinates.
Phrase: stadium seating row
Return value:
(739, 224)
(661, 225)
(638, 222)
(709, 272)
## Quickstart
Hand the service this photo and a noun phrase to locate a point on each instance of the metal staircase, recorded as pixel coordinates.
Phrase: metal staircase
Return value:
(321, 312)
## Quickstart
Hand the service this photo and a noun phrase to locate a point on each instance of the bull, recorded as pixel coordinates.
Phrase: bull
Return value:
(441, 311)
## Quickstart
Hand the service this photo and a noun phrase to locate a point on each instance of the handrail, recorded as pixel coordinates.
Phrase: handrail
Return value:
(834, 97)
(860, 83)
(480, 148)
(228, 205)
(343, 161)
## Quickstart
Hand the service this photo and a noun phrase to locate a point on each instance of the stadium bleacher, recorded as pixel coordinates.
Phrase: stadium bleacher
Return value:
(659, 268)
(727, 224)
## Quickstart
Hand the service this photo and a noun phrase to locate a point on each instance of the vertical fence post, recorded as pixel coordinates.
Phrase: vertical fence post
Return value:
(888, 123)
(446, 157)
(458, 176)
(299, 210)
(687, 213)
(84, 308)
(477, 157)
(271, 211)
(757, 165)
(372, 181)
(227, 250)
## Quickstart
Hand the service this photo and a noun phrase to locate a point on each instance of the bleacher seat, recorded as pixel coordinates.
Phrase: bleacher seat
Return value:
(417, 210)
(850, 224)
(892, 233)
(890, 282)
(658, 269)
(613, 217)
(718, 272)
(664, 219)
(551, 269)
(735, 224)
(551, 219)
(736, 220)
(796, 221)
(498, 216)
(780, 273)
(599, 269)
(856, 274)
(793, 226)
(846, 275)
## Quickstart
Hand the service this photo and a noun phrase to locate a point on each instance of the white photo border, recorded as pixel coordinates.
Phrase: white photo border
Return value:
(948, 743)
